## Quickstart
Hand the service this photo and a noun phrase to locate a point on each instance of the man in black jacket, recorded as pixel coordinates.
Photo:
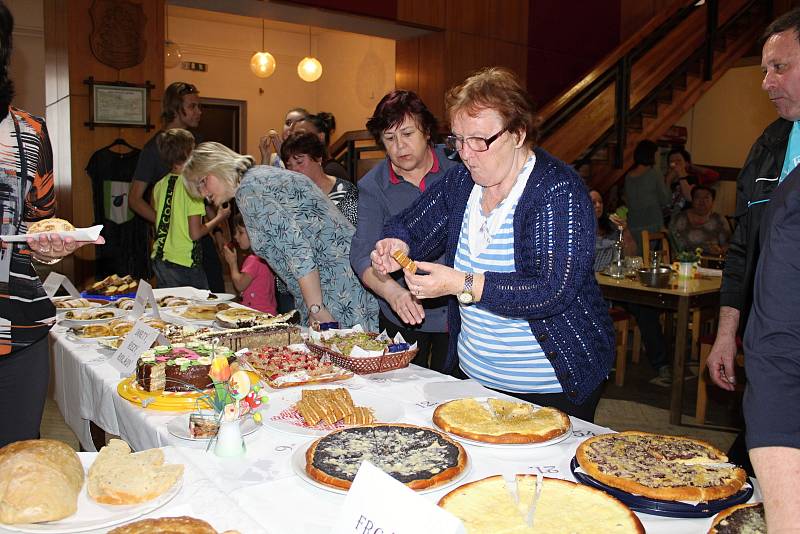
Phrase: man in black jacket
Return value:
(766, 165)
(772, 359)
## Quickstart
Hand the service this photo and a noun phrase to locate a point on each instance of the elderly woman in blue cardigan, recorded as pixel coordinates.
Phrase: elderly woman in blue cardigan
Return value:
(517, 227)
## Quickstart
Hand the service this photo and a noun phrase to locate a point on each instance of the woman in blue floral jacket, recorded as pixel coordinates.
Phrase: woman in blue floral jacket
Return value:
(294, 227)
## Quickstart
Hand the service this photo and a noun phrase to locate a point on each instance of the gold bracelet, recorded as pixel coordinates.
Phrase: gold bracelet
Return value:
(46, 262)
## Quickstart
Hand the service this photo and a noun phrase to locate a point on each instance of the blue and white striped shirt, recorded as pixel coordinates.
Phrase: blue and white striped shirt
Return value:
(499, 352)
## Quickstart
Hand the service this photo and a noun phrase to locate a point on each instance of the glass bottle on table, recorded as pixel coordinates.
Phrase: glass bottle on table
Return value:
(617, 267)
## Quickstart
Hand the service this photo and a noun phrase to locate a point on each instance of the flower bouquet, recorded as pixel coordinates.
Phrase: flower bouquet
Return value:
(234, 397)
(688, 262)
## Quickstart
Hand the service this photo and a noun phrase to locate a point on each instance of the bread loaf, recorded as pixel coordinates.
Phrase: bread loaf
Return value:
(40, 480)
(119, 477)
(167, 525)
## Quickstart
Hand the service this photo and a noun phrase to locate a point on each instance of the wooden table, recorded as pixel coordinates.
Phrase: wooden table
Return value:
(680, 297)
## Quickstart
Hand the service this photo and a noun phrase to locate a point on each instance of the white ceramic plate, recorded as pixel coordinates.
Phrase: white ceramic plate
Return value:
(299, 467)
(557, 439)
(88, 340)
(385, 410)
(221, 297)
(174, 315)
(80, 322)
(179, 427)
(94, 516)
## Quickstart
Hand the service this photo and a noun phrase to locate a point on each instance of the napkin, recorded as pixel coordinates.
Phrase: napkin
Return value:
(79, 234)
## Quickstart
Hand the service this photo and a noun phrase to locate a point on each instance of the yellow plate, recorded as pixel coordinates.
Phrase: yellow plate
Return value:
(169, 402)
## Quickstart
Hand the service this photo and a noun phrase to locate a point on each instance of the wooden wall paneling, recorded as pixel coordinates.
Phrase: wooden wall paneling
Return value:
(510, 55)
(55, 57)
(469, 16)
(465, 54)
(432, 82)
(68, 27)
(508, 21)
(425, 12)
(385, 9)
(406, 64)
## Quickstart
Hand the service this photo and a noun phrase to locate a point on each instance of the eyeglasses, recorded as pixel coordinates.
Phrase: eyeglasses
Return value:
(477, 144)
(184, 88)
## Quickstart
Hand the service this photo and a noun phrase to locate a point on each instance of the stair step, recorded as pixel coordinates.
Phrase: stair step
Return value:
(665, 95)
(680, 82)
(650, 110)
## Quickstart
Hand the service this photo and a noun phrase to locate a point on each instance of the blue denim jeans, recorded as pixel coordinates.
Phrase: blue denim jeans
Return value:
(170, 274)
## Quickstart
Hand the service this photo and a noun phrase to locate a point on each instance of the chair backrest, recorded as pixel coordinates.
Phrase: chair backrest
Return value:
(648, 238)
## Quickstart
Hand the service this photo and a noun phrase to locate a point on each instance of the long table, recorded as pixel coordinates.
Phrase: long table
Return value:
(263, 484)
(680, 297)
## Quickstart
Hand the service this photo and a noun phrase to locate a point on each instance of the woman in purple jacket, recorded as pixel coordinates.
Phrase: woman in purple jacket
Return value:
(516, 227)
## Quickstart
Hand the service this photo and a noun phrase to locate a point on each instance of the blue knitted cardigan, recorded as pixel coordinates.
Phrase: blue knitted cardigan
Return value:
(554, 287)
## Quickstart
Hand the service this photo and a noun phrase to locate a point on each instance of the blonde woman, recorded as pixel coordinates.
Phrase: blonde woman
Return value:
(294, 227)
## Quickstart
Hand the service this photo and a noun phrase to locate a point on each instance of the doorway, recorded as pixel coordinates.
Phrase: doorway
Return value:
(224, 121)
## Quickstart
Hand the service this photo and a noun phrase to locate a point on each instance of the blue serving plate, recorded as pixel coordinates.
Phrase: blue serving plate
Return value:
(646, 505)
(110, 298)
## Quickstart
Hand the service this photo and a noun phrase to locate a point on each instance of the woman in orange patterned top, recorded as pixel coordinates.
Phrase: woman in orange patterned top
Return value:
(26, 314)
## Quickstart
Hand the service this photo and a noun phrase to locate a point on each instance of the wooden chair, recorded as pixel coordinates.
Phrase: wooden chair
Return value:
(702, 376)
(623, 321)
(647, 237)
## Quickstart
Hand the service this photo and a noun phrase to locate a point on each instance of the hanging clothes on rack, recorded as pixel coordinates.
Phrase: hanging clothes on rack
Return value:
(126, 247)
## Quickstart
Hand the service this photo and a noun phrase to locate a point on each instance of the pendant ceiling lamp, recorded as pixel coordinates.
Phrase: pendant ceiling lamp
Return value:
(262, 63)
(309, 69)
(172, 52)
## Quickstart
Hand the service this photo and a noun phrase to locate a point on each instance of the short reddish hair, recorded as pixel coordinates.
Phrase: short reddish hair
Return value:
(498, 89)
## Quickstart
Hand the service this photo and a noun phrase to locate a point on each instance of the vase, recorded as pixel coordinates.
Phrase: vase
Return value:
(686, 270)
(230, 442)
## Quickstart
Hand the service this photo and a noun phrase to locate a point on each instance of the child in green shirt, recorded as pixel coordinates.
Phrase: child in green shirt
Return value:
(177, 255)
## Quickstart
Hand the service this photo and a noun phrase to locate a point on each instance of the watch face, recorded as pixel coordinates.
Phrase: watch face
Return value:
(465, 298)
(315, 308)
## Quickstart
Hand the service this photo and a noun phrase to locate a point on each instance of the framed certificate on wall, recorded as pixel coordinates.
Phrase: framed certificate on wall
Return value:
(119, 104)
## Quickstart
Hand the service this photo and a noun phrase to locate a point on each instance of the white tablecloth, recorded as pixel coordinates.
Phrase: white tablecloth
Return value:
(263, 482)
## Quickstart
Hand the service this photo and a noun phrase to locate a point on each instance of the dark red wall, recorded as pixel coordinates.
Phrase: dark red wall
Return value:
(565, 40)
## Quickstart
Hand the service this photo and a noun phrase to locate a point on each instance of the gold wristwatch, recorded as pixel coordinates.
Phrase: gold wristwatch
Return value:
(466, 296)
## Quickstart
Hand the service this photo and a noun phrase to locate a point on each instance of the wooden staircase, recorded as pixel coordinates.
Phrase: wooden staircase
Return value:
(638, 91)
(649, 82)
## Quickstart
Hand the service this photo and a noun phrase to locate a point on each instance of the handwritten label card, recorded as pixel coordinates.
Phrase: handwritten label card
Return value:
(56, 280)
(378, 504)
(138, 340)
(144, 295)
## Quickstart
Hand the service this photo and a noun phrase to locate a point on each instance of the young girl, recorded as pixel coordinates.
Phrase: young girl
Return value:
(255, 280)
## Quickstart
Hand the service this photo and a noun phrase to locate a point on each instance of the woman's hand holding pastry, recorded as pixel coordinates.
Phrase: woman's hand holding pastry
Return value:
(51, 247)
(382, 260)
(439, 281)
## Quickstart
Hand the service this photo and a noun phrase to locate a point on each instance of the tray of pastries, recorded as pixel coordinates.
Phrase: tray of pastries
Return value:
(77, 303)
(283, 367)
(113, 285)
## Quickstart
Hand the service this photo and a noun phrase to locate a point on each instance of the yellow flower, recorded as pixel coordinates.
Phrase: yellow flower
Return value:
(220, 370)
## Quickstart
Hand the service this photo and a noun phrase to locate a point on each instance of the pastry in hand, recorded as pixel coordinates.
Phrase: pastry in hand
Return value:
(50, 225)
(404, 261)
